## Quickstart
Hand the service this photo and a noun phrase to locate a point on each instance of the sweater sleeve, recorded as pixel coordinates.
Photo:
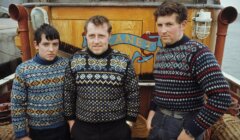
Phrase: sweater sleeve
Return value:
(69, 94)
(132, 93)
(208, 75)
(19, 104)
(153, 105)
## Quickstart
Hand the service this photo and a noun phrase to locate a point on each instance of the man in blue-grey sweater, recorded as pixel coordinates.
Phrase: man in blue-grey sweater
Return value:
(37, 92)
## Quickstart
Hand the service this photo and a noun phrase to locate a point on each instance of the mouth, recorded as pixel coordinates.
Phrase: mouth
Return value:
(97, 47)
(164, 37)
(51, 55)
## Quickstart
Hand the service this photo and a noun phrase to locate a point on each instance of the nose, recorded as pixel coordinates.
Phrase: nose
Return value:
(163, 29)
(51, 48)
(96, 40)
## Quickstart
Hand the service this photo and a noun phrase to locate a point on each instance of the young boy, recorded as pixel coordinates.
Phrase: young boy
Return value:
(37, 92)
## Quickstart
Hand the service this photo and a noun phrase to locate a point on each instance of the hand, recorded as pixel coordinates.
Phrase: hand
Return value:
(184, 136)
(71, 122)
(129, 123)
(25, 138)
(149, 127)
(149, 119)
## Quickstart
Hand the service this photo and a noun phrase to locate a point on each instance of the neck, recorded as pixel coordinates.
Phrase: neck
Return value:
(42, 61)
(181, 41)
(106, 53)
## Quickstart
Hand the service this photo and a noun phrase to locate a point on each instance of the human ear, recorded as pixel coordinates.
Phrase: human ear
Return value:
(35, 45)
(110, 35)
(184, 24)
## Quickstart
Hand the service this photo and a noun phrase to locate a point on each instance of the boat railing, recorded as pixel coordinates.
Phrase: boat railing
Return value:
(233, 82)
(6, 84)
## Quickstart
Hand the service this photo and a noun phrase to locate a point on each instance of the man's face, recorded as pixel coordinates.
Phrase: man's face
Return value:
(47, 49)
(97, 38)
(169, 30)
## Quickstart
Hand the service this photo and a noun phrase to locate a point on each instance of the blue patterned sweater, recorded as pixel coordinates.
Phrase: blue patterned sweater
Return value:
(184, 72)
(37, 95)
(101, 88)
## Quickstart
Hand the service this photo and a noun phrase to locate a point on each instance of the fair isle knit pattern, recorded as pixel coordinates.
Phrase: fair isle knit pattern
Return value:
(101, 88)
(37, 95)
(184, 72)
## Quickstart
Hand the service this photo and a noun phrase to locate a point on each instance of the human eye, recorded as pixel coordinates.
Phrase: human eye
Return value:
(56, 44)
(91, 36)
(159, 25)
(169, 24)
(45, 44)
(101, 36)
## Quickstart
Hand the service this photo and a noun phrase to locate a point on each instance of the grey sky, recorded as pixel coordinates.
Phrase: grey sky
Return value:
(234, 3)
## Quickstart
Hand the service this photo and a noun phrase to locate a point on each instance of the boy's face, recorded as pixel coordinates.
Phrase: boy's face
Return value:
(47, 49)
(169, 30)
(97, 38)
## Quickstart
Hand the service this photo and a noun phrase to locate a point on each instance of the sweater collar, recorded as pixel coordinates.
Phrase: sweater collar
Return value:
(103, 55)
(41, 61)
(183, 40)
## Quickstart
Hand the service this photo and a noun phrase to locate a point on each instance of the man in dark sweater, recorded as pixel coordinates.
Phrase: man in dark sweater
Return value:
(101, 88)
(185, 71)
(37, 92)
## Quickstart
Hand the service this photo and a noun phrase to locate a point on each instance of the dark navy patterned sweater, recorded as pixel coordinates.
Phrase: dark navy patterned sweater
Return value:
(37, 95)
(184, 72)
(101, 88)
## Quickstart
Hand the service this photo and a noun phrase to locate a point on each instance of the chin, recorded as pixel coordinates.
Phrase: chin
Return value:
(98, 53)
(50, 59)
(168, 43)
(165, 41)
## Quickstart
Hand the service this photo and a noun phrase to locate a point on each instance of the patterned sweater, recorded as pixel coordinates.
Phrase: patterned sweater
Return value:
(37, 95)
(183, 73)
(101, 88)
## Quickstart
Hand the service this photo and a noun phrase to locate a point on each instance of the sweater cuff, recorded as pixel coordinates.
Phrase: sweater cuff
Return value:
(21, 134)
(153, 106)
(72, 117)
(194, 129)
(131, 118)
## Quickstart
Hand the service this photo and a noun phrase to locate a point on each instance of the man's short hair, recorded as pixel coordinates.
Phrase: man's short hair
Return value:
(98, 21)
(50, 32)
(168, 8)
